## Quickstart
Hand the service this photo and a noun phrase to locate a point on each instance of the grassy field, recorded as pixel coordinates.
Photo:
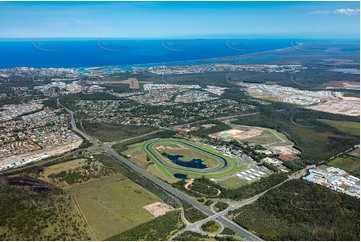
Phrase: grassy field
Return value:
(233, 182)
(344, 126)
(113, 204)
(137, 153)
(112, 132)
(348, 163)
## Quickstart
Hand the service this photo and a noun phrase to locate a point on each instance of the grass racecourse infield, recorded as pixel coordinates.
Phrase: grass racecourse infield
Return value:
(194, 160)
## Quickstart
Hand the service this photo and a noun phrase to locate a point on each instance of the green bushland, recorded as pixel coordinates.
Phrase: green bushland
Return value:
(245, 191)
(191, 236)
(112, 132)
(70, 99)
(228, 231)
(81, 174)
(121, 147)
(346, 162)
(206, 190)
(220, 206)
(160, 228)
(193, 215)
(208, 203)
(210, 226)
(31, 209)
(300, 210)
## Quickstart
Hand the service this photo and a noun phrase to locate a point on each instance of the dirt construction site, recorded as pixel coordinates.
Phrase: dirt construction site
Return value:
(238, 134)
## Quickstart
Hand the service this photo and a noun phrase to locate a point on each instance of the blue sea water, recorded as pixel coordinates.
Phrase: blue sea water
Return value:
(125, 53)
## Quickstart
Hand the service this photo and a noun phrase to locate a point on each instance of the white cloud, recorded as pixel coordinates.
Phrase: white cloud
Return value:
(341, 11)
(320, 12)
(347, 11)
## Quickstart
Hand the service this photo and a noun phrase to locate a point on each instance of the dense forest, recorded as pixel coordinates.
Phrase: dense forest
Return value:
(299, 210)
(207, 186)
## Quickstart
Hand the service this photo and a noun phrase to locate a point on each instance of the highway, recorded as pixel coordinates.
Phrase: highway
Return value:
(161, 184)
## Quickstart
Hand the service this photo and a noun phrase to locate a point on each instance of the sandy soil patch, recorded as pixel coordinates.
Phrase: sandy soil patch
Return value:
(207, 126)
(179, 147)
(158, 209)
(188, 130)
(342, 84)
(240, 134)
(347, 106)
(286, 153)
(160, 148)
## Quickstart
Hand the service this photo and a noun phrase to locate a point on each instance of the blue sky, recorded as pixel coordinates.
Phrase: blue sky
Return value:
(179, 19)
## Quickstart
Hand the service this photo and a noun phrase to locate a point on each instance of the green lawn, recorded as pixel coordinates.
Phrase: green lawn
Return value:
(233, 182)
(344, 126)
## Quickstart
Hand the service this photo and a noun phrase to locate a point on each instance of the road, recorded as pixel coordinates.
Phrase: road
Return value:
(91, 139)
(161, 184)
(219, 119)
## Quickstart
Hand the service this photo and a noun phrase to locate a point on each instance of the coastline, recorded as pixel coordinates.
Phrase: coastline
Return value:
(201, 61)
(175, 62)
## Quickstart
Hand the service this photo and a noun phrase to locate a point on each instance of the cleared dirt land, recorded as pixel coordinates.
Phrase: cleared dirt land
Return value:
(256, 135)
(158, 209)
(275, 141)
(339, 105)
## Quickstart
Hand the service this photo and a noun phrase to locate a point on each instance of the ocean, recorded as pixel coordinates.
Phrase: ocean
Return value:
(76, 53)
(129, 54)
